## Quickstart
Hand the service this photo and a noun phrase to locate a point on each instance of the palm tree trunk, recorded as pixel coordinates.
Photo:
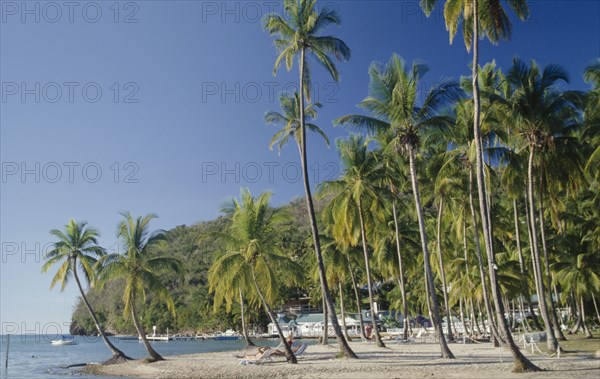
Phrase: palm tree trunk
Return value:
(446, 353)
(368, 273)
(462, 316)
(526, 292)
(536, 322)
(117, 355)
(244, 329)
(343, 310)
(577, 325)
(596, 308)
(553, 316)
(486, 299)
(472, 315)
(401, 273)
(344, 347)
(588, 333)
(520, 362)
(289, 354)
(551, 341)
(358, 307)
(325, 336)
(428, 298)
(442, 270)
(479, 313)
(154, 356)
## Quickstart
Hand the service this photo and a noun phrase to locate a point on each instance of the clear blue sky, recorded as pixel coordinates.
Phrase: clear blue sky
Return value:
(193, 81)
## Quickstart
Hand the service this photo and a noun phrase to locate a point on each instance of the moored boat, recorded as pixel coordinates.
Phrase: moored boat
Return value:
(64, 340)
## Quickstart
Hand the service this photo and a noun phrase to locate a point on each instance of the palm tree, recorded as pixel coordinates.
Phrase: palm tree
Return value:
(140, 268)
(298, 34)
(489, 18)
(592, 119)
(255, 254)
(229, 287)
(459, 161)
(577, 273)
(355, 199)
(391, 247)
(543, 115)
(393, 103)
(77, 249)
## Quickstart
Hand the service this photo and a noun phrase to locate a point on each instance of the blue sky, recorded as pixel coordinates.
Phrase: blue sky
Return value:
(157, 106)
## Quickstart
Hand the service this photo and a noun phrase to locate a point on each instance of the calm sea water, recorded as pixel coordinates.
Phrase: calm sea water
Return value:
(33, 356)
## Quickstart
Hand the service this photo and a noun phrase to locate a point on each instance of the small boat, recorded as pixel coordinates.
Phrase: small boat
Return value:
(64, 340)
(228, 335)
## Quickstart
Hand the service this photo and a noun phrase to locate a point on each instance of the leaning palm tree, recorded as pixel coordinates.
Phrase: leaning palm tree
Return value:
(77, 249)
(355, 201)
(299, 33)
(140, 269)
(392, 101)
(255, 253)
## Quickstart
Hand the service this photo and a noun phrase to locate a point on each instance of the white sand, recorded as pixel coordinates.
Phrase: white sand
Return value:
(398, 360)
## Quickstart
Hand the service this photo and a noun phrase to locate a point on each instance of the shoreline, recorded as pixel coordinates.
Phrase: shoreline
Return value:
(406, 360)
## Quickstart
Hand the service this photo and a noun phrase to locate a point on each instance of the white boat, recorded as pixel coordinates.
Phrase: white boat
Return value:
(228, 335)
(64, 340)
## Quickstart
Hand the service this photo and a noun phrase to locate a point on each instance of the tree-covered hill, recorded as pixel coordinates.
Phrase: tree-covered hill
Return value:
(196, 248)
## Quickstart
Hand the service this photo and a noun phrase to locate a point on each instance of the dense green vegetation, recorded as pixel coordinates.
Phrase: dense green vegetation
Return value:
(195, 247)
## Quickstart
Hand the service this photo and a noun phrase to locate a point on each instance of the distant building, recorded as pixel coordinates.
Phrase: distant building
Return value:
(286, 324)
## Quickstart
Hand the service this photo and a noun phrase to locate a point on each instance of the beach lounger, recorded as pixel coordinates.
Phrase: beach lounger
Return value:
(301, 349)
(259, 359)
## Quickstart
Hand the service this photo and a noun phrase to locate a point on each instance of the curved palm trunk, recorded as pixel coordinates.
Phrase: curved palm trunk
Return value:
(289, 354)
(154, 356)
(244, 329)
(401, 273)
(343, 311)
(520, 362)
(117, 355)
(486, 299)
(553, 314)
(536, 322)
(588, 333)
(446, 353)
(596, 307)
(526, 292)
(368, 272)
(344, 347)
(325, 336)
(442, 270)
(358, 307)
(551, 341)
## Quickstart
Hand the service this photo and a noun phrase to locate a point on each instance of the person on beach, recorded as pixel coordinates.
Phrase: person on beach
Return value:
(290, 341)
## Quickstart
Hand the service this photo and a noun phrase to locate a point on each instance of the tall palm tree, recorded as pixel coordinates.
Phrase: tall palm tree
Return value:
(255, 254)
(591, 132)
(489, 18)
(393, 94)
(543, 115)
(392, 247)
(299, 33)
(355, 199)
(77, 249)
(140, 268)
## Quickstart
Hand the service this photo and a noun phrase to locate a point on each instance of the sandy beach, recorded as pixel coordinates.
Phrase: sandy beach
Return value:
(397, 360)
